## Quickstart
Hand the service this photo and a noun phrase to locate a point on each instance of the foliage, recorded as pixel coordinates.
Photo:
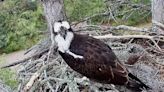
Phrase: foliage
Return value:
(20, 23)
(123, 11)
(79, 9)
(138, 12)
(9, 78)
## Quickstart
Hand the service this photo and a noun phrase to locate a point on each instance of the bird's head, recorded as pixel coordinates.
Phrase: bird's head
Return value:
(62, 28)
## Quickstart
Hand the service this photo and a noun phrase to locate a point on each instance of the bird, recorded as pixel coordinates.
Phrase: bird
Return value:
(92, 58)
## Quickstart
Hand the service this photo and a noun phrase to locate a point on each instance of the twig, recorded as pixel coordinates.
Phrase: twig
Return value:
(124, 27)
(158, 24)
(48, 83)
(112, 28)
(37, 74)
(56, 79)
(31, 81)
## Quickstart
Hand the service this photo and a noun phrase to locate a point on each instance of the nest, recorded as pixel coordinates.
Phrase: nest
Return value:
(47, 72)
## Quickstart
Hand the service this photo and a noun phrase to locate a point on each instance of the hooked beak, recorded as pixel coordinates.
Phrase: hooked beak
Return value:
(63, 32)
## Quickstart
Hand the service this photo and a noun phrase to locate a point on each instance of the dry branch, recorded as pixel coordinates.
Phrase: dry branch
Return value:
(130, 36)
(31, 81)
(130, 28)
(158, 24)
(37, 74)
(113, 28)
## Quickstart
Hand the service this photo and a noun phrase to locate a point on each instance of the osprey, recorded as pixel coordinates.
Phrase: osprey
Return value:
(92, 57)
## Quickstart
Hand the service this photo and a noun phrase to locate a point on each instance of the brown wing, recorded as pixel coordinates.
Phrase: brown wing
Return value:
(99, 63)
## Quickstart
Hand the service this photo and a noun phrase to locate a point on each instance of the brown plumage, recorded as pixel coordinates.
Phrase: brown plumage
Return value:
(99, 62)
(92, 57)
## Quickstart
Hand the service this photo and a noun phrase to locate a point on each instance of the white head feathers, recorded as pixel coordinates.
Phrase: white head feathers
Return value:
(65, 24)
(64, 43)
(58, 25)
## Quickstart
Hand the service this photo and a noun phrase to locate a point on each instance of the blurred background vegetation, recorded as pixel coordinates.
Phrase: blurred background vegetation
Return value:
(22, 21)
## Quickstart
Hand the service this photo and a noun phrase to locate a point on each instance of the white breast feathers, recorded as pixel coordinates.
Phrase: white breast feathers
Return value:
(64, 44)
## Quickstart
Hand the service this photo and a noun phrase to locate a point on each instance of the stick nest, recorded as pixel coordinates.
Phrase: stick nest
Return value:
(45, 70)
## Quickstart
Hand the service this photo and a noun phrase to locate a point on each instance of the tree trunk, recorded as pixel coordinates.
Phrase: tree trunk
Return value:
(54, 11)
(158, 15)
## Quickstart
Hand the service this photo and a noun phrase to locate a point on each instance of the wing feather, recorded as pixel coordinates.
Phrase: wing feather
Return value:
(99, 61)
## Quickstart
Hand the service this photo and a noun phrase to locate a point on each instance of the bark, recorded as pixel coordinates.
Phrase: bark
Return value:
(158, 15)
(54, 11)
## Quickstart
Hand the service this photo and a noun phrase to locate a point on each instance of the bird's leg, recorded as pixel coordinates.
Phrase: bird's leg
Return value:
(74, 55)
